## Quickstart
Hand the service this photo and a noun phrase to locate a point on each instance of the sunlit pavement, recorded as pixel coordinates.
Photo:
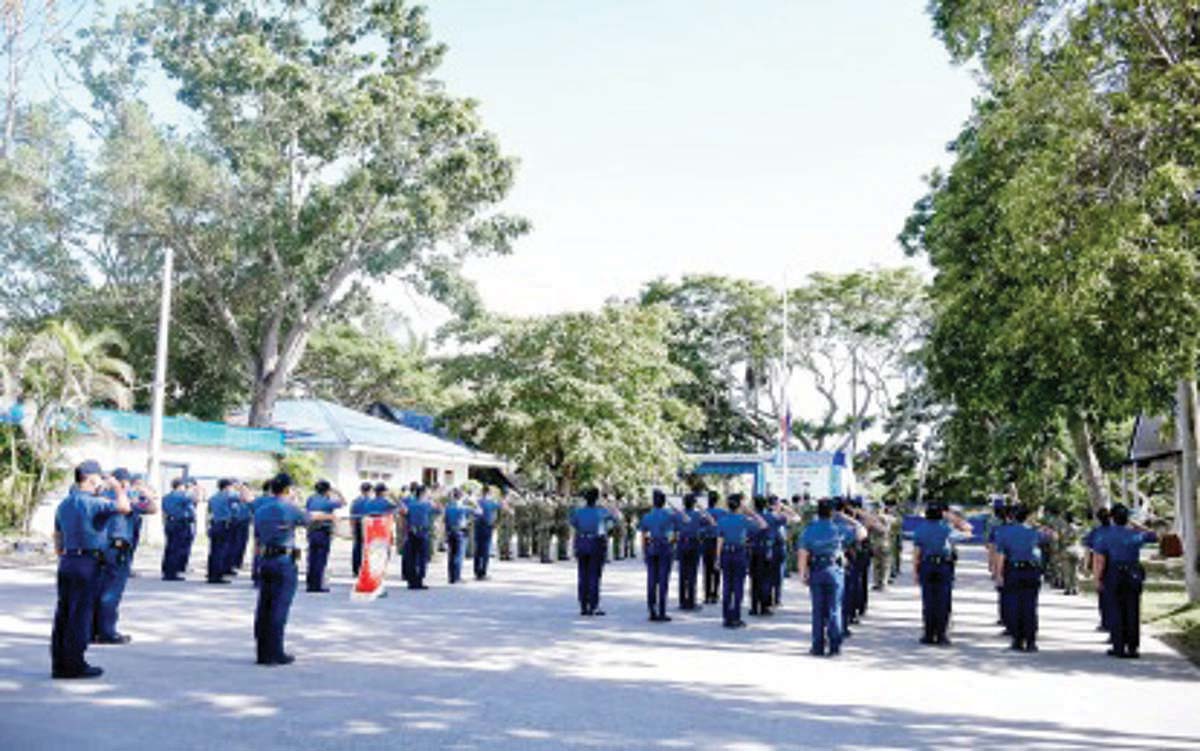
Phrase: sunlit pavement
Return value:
(508, 664)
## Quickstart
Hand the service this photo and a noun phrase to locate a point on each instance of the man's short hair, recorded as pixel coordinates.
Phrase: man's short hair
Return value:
(280, 483)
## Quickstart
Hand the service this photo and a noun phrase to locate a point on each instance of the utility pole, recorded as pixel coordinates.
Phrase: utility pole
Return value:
(154, 462)
(786, 426)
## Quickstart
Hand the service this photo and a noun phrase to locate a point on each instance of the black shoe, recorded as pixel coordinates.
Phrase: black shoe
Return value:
(664, 618)
(216, 581)
(1132, 655)
(285, 659)
(926, 641)
(117, 639)
(1115, 653)
(317, 589)
(729, 624)
(739, 624)
(944, 642)
(584, 613)
(88, 671)
(597, 612)
(1031, 647)
(173, 579)
(653, 618)
(817, 652)
(835, 651)
(1017, 646)
(767, 611)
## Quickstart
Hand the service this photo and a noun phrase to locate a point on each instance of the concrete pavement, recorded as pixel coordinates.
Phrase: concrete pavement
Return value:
(508, 664)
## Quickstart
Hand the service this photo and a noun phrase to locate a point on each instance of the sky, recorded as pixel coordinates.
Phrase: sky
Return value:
(666, 137)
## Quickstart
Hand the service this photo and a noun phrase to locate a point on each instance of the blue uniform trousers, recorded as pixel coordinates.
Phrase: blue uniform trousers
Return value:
(689, 569)
(778, 571)
(760, 579)
(78, 582)
(114, 574)
(589, 559)
(416, 557)
(825, 586)
(180, 533)
(218, 550)
(658, 576)
(456, 543)
(733, 573)
(356, 551)
(1107, 609)
(862, 568)
(1124, 582)
(849, 594)
(937, 584)
(1023, 585)
(277, 588)
(319, 540)
(712, 571)
(483, 549)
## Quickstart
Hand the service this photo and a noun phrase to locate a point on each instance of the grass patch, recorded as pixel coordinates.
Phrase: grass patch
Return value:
(1165, 606)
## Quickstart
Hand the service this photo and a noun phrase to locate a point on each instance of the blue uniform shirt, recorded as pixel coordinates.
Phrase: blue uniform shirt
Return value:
(733, 528)
(1019, 543)
(179, 505)
(81, 519)
(1095, 536)
(822, 537)
(323, 504)
(659, 523)
(589, 520)
(357, 505)
(377, 506)
(275, 522)
(456, 517)
(935, 537)
(489, 511)
(239, 509)
(848, 530)
(694, 523)
(420, 514)
(220, 506)
(1122, 544)
(710, 532)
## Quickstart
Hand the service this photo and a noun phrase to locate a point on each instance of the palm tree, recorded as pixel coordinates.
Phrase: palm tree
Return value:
(57, 378)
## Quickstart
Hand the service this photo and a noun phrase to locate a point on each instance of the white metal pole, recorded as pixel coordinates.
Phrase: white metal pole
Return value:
(153, 464)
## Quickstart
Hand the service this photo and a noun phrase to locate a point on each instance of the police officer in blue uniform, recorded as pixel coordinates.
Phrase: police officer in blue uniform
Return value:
(933, 568)
(243, 520)
(275, 522)
(589, 523)
(733, 532)
(220, 531)
(356, 515)
(691, 537)
(659, 528)
(456, 519)
(777, 518)
(1019, 563)
(325, 500)
(179, 527)
(1119, 571)
(115, 573)
(712, 563)
(762, 550)
(487, 512)
(822, 568)
(256, 561)
(80, 540)
(850, 551)
(1001, 518)
(418, 514)
(1093, 540)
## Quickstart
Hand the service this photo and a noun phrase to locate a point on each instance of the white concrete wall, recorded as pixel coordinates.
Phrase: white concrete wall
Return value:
(205, 463)
(344, 469)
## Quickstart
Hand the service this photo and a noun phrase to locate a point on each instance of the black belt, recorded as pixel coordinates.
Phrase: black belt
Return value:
(272, 551)
(937, 559)
(83, 553)
(733, 546)
(1020, 565)
(585, 535)
(322, 527)
(418, 531)
(826, 560)
(120, 544)
(181, 519)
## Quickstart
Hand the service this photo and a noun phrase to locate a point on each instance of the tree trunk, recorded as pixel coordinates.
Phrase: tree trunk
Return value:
(1186, 428)
(262, 402)
(1089, 465)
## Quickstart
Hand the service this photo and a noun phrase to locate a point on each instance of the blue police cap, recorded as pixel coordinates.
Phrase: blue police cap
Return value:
(89, 467)
(122, 474)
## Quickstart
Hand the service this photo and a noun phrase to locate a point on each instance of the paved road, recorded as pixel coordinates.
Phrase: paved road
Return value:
(507, 664)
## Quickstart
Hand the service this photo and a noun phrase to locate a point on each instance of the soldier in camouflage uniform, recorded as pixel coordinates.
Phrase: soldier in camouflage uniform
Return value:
(505, 529)
(523, 519)
(543, 528)
(879, 537)
(562, 528)
(895, 540)
(617, 532)
(1072, 552)
(637, 509)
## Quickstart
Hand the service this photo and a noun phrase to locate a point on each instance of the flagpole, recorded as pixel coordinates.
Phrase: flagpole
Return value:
(783, 433)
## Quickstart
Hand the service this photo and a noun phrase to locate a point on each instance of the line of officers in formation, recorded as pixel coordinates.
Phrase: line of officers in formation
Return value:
(840, 549)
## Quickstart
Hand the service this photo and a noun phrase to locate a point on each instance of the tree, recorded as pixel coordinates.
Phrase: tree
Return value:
(56, 376)
(576, 398)
(359, 362)
(325, 153)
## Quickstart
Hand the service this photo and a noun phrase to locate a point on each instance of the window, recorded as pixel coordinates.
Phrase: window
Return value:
(448, 478)
(429, 476)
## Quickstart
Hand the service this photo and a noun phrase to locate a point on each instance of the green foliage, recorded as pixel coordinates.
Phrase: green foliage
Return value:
(305, 468)
(356, 363)
(324, 154)
(576, 398)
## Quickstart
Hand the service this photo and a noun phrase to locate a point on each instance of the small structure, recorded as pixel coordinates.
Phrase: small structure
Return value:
(358, 447)
(813, 473)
